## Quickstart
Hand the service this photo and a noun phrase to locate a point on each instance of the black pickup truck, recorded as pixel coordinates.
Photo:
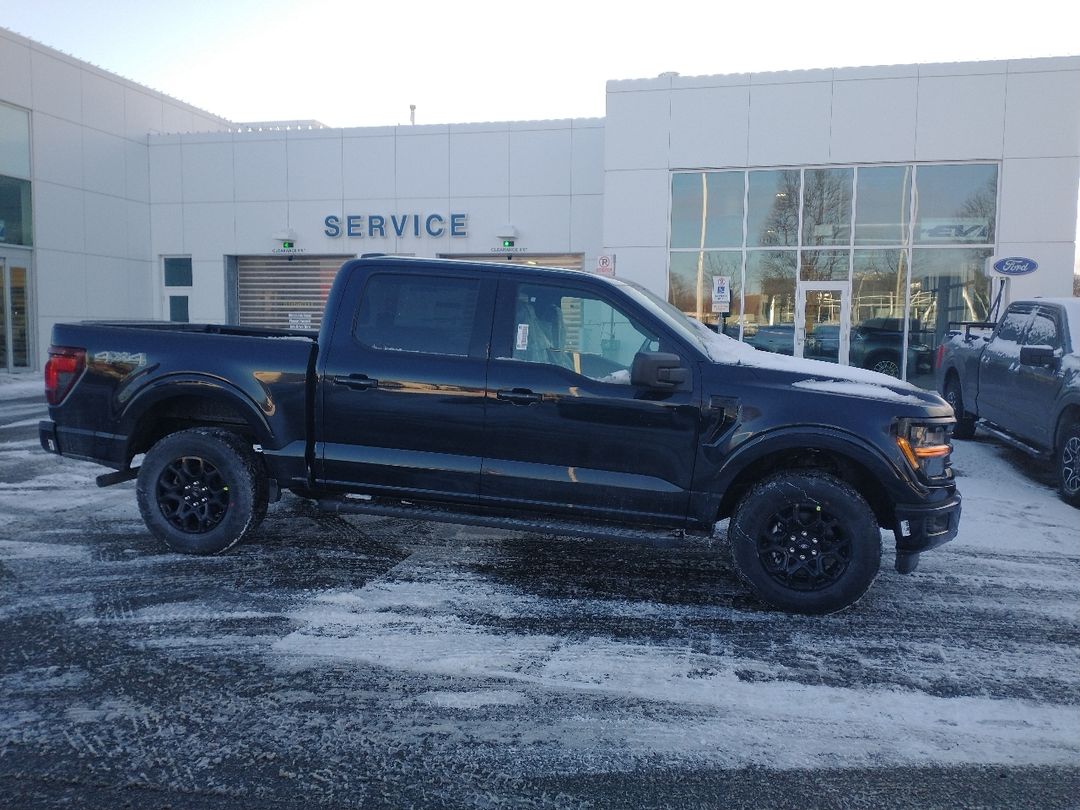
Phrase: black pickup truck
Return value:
(520, 397)
(1019, 379)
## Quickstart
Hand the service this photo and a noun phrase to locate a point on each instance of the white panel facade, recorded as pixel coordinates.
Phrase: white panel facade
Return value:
(479, 163)
(1051, 181)
(637, 125)
(368, 167)
(710, 126)
(790, 123)
(260, 169)
(960, 117)
(873, 120)
(541, 162)
(15, 71)
(1041, 118)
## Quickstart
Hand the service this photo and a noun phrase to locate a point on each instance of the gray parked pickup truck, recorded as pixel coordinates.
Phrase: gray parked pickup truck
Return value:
(1019, 379)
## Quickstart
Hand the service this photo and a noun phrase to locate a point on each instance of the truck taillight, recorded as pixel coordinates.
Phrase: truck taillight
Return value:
(938, 355)
(61, 371)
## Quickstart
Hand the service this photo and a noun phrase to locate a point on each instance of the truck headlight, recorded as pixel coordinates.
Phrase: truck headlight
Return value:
(925, 446)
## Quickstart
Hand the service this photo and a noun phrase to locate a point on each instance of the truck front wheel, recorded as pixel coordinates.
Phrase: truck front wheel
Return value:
(806, 542)
(200, 491)
(1068, 464)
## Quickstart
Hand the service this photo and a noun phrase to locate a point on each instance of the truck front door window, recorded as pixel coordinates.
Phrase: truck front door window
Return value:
(576, 331)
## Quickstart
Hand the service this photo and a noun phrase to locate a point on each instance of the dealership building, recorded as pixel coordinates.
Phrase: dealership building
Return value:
(848, 214)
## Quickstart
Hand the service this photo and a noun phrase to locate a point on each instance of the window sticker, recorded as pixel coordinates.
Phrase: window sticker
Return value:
(522, 341)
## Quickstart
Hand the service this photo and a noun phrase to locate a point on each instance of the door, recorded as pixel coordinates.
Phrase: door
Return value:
(566, 431)
(999, 366)
(14, 315)
(401, 388)
(1038, 386)
(823, 320)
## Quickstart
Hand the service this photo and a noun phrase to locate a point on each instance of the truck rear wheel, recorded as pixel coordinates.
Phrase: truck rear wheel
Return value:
(806, 542)
(200, 491)
(1068, 465)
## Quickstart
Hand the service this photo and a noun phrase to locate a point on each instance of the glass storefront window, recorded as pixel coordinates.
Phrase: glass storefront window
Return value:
(691, 284)
(707, 210)
(947, 286)
(769, 300)
(878, 288)
(827, 207)
(834, 225)
(14, 141)
(824, 265)
(883, 207)
(773, 208)
(15, 212)
(955, 204)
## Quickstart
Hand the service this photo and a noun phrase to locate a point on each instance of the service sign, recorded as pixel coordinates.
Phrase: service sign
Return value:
(1015, 266)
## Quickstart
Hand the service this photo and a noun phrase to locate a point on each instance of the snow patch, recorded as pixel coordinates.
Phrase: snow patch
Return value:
(863, 390)
(473, 700)
(724, 349)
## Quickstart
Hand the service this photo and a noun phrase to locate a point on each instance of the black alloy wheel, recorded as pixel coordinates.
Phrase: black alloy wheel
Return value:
(806, 542)
(804, 547)
(202, 491)
(192, 494)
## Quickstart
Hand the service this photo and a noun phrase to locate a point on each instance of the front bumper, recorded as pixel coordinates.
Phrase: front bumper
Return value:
(921, 528)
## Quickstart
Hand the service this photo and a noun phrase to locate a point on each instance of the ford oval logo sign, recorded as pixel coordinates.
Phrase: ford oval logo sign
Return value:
(1016, 266)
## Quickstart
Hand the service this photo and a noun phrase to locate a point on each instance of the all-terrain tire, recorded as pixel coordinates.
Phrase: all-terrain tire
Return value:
(1067, 463)
(965, 422)
(201, 491)
(806, 542)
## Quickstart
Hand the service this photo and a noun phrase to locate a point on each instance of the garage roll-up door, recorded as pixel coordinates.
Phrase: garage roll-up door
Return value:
(284, 292)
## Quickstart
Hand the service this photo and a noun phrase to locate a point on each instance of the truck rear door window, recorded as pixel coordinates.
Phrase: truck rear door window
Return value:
(414, 313)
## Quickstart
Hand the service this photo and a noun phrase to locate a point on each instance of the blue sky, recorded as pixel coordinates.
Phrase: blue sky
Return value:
(362, 64)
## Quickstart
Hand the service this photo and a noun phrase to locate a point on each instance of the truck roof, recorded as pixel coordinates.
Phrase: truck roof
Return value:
(421, 263)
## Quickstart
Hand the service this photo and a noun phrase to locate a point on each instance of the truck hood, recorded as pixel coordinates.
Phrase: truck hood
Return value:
(816, 375)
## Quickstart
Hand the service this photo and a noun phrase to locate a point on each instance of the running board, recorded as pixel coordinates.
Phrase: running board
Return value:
(566, 528)
(1012, 441)
(118, 477)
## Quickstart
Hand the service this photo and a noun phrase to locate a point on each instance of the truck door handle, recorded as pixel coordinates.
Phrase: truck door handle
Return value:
(519, 396)
(358, 382)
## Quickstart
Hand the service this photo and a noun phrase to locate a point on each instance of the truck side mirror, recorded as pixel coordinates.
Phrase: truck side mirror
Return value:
(1037, 355)
(659, 370)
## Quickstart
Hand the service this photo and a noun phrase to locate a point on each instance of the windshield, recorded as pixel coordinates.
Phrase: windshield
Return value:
(686, 328)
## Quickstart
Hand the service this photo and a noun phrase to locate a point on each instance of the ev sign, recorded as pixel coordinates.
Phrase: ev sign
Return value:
(721, 294)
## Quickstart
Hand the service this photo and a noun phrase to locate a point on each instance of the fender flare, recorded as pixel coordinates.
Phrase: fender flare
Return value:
(171, 386)
(898, 486)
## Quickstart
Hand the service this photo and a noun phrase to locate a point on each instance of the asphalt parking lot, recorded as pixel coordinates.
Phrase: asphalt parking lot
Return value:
(347, 661)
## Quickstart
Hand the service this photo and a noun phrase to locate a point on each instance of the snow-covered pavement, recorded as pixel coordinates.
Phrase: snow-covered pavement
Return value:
(360, 661)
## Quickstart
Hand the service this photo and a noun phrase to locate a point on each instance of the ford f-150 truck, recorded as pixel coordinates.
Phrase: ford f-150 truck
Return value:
(1019, 379)
(520, 397)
